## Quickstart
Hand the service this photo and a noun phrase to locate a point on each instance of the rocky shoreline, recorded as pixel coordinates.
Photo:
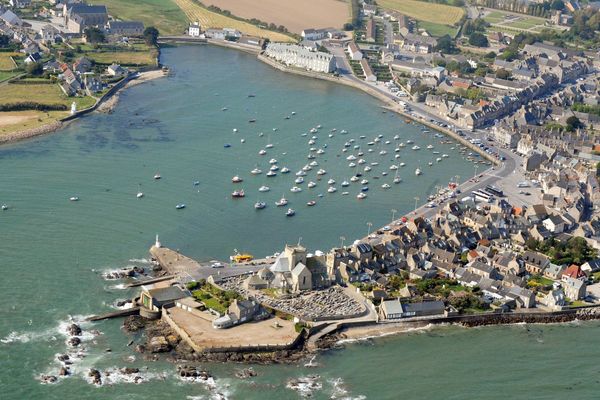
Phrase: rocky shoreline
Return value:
(29, 133)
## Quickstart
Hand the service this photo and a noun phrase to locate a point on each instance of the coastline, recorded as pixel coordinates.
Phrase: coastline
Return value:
(106, 103)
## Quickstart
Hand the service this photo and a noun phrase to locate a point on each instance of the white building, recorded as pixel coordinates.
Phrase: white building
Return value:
(354, 52)
(298, 56)
(194, 30)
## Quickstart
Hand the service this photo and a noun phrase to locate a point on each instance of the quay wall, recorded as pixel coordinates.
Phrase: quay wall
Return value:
(392, 105)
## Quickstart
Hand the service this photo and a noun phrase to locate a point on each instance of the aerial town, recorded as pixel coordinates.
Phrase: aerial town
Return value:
(521, 238)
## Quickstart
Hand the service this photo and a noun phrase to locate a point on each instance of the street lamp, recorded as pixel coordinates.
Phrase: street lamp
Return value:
(369, 225)
(394, 211)
(416, 202)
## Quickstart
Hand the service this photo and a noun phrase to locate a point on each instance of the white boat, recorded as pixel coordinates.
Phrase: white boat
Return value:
(362, 137)
(397, 179)
(281, 202)
(360, 154)
(385, 186)
(293, 112)
(261, 134)
(344, 150)
(295, 189)
(377, 140)
(345, 193)
(356, 147)
(393, 167)
(345, 184)
(364, 182)
(375, 163)
(311, 142)
(343, 131)
(445, 155)
(256, 171)
(361, 196)
(397, 156)
(436, 152)
(402, 144)
(236, 179)
(272, 161)
(438, 159)
(430, 146)
(73, 198)
(271, 174)
(180, 206)
(269, 146)
(430, 163)
(301, 173)
(4, 207)
(409, 141)
(262, 152)
(387, 142)
(313, 164)
(415, 147)
(319, 126)
(139, 195)
(242, 140)
(370, 150)
(418, 171)
(321, 172)
(273, 168)
(382, 153)
(313, 130)
(351, 157)
(235, 130)
(402, 164)
(264, 189)
(157, 176)
(370, 143)
(354, 179)
(320, 151)
(384, 173)
(331, 181)
(367, 168)
(331, 189)
(306, 168)
(285, 170)
(311, 184)
(313, 149)
(352, 165)
(290, 212)
(361, 161)
(299, 180)
(397, 137)
(259, 205)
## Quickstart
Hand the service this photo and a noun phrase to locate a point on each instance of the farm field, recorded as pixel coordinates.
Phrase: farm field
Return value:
(504, 21)
(42, 93)
(294, 15)
(165, 15)
(14, 121)
(123, 57)
(6, 63)
(423, 11)
(209, 19)
(4, 75)
(438, 29)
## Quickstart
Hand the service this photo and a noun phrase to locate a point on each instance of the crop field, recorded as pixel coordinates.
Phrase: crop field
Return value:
(209, 19)
(123, 57)
(293, 14)
(6, 63)
(165, 15)
(504, 21)
(423, 11)
(42, 93)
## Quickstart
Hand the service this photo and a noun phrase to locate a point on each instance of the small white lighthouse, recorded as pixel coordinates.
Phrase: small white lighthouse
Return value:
(73, 108)
(157, 243)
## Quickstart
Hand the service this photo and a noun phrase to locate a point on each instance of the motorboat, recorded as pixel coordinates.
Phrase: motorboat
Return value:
(139, 195)
(401, 144)
(385, 186)
(4, 207)
(331, 181)
(238, 194)
(387, 142)
(345, 184)
(445, 155)
(264, 189)
(436, 152)
(364, 189)
(370, 143)
(321, 172)
(236, 179)
(430, 163)
(375, 163)
(271, 174)
(157, 176)
(290, 212)
(418, 171)
(285, 170)
(262, 152)
(320, 151)
(439, 159)
(360, 154)
(409, 141)
(295, 189)
(306, 168)
(382, 153)
(73, 198)
(361, 196)
(311, 142)
(235, 130)
(393, 167)
(364, 182)
(397, 137)
(311, 156)
(397, 179)
(332, 189)
(402, 164)
(343, 131)
(313, 164)
(356, 147)
(180, 206)
(227, 145)
(274, 168)
(259, 205)
(301, 173)
(281, 202)
(272, 161)
(311, 203)
(354, 179)
(269, 145)
(299, 180)
(345, 193)
(311, 184)
(384, 173)
(351, 157)
(415, 147)
(361, 161)
(367, 169)
(430, 146)
(256, 171)
(352, 165)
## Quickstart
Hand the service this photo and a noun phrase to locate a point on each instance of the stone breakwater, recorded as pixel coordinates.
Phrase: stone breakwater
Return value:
(29, 133)
(585, 314)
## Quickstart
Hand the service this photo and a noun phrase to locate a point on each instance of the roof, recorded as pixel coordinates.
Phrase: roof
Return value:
(168, 294)
(392, 307)
(298, 269)
(81, 8)
(281, 264)
(424, 306)
(125, 24)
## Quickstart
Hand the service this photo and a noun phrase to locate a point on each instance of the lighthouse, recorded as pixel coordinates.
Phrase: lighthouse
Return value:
(157, 243)
(73, 108)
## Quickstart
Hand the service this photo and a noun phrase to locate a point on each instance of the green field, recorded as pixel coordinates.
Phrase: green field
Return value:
(6, 63)
(43, 94)
(4, 75)
(504, 21)
(162, 14)
(423, 11)
(438, 29)
(124, 57)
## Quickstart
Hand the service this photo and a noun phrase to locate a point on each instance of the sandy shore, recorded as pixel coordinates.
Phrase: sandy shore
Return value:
(108, 105)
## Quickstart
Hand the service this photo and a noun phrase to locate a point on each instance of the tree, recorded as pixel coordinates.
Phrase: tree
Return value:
(94, 35)
(446, 45)
(502, 74)
(4, 40)
(573, 123)
(557, 5)
(598, 169)
(509, 55)
(35, 69)
(348, 26)
(478, 39)
(151, 36)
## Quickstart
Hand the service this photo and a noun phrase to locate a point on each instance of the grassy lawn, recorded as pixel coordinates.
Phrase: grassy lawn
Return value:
(162, 14)
(209, 19)
(43, 93)
(579, 303)
(423, 11)
(6, 63)
(538, 280)
(271, 292)
(123, 57)
(4, 75)
(438, 29)
(15, 121)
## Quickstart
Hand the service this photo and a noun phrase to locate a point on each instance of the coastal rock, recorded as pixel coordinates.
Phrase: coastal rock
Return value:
(140, 348)
(74, 330)
(159, 344)
(63, 357)
(130, 370)
(96, 377)
(134, 323)
(245, 373)
(74, 341)
(63, 371)
(190, 371)
(48, 379)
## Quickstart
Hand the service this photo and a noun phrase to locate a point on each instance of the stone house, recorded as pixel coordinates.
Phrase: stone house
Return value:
(534, 262)
(575, 289)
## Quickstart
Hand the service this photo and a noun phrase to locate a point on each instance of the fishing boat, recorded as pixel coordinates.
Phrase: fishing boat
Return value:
(418, 171)
(299, 180)
(290, 212)
(73, 198)
(331, 181)
(238, 194)
(180, 206)
(345, 184)
(361, 196)
(264, 189)
(236, 179)
(311, 203)
(311, 184)
(281, 202)
(385, 186)
(256, 171)
(285, 170)
(259, 205)
(295, 189)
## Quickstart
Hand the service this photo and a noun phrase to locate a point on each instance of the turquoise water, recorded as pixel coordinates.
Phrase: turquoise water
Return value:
(54, 251)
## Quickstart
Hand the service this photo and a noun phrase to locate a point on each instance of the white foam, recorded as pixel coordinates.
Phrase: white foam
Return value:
(140, 260)
(305, 385)
(340, 392)
(366, 338)
(114, 376)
